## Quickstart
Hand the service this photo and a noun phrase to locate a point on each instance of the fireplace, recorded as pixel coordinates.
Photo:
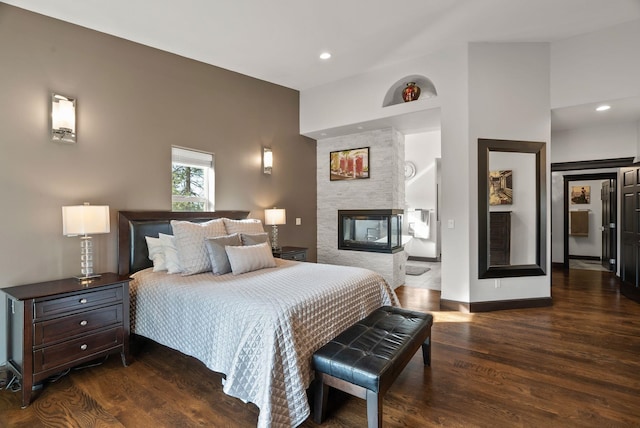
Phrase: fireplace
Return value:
(377, 231)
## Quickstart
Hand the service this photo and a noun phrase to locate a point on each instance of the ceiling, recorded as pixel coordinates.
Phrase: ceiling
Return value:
(280, 40)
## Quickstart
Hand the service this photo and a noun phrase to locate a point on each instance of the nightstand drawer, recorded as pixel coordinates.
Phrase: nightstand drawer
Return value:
(66, 352)
(78, 301)
(57, 329)
(299, 256)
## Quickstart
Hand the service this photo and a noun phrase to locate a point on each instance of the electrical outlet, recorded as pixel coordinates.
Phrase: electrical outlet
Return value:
(451, 224)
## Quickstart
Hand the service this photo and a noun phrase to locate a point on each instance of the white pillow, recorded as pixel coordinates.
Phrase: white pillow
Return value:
(170, 253)
(156, 253)
(189, 239)
(217, 254)
(249, 258)
(249, 225)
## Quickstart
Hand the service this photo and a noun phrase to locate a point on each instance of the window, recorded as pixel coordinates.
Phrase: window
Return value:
(192, 180)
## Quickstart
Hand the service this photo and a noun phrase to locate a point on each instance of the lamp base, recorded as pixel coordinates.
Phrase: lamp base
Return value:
(87, 277)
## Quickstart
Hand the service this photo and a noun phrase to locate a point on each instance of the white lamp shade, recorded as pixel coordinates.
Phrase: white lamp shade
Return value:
(85, 220)
(275, 216)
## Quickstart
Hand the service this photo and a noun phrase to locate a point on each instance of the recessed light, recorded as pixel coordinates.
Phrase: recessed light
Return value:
(603, 107)
(325, 55)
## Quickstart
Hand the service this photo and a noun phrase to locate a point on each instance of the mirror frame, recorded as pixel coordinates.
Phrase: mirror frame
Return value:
(485, 146)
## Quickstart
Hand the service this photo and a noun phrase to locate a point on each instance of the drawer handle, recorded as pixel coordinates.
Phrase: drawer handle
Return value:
(83, 300)
(83, 323)
(84, 347)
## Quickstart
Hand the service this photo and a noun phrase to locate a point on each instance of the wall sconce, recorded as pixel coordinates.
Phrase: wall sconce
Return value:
(63, 118)
(267, 160)
(84, 220)
(275, 217)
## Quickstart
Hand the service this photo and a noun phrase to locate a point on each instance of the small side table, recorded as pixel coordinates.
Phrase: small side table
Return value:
(298, 254)
(56, 325)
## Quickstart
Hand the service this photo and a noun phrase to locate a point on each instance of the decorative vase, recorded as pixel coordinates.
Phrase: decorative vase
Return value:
(411, 92)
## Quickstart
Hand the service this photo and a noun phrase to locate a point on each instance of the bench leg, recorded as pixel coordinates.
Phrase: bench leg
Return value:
(426, 351)
(374, 410)
(321, 394)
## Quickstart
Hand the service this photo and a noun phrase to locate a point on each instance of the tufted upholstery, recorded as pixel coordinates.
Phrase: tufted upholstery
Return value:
(371, 354)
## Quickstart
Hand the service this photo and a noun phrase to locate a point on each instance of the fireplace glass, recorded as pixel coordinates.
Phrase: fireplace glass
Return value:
(370, 230)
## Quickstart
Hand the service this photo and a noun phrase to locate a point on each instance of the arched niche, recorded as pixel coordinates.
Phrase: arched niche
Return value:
(394, 94)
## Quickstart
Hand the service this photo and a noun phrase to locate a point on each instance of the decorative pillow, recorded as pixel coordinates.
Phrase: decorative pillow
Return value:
(218, 255)
(170, 253)
(189, 239)
(249, 225)
(156, 253)
(250, 258)
(254, 238)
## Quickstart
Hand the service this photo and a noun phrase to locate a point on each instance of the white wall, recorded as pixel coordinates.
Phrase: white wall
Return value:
(590, 245)
(594, 67)
(420, 191)
(595, 142)
(508, 99)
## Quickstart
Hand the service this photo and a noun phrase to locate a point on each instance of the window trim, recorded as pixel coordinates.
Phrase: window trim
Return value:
(195, 159)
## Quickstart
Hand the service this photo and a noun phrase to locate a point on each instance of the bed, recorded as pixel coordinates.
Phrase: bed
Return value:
(259, 329)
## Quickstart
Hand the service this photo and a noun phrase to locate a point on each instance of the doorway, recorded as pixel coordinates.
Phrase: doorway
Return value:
(577, 220)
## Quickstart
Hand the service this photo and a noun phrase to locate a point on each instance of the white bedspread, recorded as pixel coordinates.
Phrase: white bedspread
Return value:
(261, 328)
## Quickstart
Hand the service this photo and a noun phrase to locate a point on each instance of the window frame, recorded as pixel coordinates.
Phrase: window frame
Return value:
(195, 159)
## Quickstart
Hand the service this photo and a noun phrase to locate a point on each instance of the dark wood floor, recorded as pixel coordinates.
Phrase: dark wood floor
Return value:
(575, 364)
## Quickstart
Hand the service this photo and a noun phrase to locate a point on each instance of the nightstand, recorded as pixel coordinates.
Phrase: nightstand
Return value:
(298, 254)
(56, 325)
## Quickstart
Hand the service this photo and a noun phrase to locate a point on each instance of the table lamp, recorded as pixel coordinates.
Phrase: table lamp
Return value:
(85, 220)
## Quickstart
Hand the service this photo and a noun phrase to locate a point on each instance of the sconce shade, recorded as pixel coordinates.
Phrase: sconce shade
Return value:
(267, 160)
(275, 216)
(63, 118)
(85, 220)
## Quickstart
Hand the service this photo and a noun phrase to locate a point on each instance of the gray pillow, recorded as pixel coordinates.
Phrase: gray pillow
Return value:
(217, 254)
(254, 238)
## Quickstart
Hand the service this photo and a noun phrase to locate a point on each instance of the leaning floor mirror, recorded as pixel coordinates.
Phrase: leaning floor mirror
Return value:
(511, 208)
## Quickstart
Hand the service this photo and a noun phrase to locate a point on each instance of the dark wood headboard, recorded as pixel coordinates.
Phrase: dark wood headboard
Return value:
(133, 226)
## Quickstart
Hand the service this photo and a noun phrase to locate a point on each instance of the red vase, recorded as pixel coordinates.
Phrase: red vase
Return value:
(411, 92)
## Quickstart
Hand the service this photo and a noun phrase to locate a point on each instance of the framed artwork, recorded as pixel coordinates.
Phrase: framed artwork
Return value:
(580, 195)
(501, 187)
(349, 164)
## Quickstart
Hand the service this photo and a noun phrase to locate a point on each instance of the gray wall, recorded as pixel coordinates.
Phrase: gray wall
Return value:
(134, 102)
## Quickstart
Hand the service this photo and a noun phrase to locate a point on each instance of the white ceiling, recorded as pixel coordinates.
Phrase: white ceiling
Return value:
(279, 40)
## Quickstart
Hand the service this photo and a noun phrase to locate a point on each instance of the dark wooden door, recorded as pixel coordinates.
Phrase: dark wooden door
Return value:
(630, 232)
(609, 215)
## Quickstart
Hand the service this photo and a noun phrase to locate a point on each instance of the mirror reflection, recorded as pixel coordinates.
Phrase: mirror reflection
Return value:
(511, 208)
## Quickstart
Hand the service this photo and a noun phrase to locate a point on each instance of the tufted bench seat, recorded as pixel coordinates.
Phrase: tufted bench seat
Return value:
(365, 359)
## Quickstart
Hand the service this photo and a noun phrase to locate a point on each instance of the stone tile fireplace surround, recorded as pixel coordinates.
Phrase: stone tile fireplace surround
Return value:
(383, 190)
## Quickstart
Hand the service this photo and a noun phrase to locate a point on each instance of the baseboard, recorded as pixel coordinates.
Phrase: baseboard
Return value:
(498, 305)
(584, 257)
(557, 265)
(423, 259)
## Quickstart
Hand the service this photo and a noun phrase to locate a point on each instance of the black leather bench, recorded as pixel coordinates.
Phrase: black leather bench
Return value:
(365, 359)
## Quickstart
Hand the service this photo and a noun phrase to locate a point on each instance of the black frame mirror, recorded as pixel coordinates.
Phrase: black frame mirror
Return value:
(485, 269)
